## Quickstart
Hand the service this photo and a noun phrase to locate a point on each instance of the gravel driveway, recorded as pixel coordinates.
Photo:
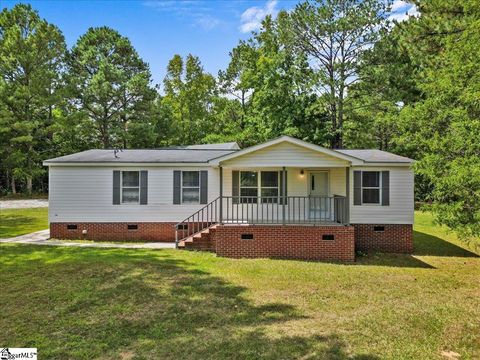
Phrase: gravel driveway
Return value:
(23, 204)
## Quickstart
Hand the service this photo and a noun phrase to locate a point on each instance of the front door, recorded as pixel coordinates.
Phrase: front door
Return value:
(319, 201)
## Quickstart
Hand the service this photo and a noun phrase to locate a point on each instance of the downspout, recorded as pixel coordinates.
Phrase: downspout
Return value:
(284, 195)
(347, 197)
(220, 214)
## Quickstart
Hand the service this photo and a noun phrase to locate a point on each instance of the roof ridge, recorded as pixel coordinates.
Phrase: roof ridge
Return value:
(164, 149)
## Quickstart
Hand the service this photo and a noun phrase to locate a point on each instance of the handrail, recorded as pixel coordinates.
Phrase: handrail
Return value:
(209, 217)
(312, 210)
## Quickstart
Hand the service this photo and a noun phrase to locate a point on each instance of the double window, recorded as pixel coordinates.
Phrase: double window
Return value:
(263, 183)
(190, 187)
(371, 187)
(130, 186)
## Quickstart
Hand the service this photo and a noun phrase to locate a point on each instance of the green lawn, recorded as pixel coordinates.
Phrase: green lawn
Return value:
(79, 303)
(15, 222)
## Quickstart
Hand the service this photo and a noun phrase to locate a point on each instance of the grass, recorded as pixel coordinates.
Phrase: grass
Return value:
(79, 303)
(15, 222)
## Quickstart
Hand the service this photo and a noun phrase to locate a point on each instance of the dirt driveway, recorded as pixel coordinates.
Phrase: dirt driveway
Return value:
(23, 204)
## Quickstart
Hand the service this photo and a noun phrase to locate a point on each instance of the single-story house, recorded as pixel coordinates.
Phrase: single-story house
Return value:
(284, 198)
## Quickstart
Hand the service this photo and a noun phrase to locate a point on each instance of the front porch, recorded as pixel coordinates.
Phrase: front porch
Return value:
(283, 199)
(272, 197)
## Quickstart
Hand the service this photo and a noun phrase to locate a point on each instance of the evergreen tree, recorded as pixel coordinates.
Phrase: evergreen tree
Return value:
(110, 86)
(31, 66)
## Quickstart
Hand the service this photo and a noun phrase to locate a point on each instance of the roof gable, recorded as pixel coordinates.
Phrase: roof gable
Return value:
(331, 155)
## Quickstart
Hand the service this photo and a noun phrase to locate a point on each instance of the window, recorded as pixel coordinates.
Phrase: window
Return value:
(269, 186)
(132, 227)
(130, 187)
(248, 186)
(371, 185)
(328, 237)
(190, 187)
(252, 181)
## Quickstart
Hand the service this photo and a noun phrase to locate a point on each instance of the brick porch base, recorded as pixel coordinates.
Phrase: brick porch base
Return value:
(290, 241)
(293, 242)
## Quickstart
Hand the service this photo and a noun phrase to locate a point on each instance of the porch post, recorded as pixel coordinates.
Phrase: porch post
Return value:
(347, 192)
(220, 214)
(284, 195)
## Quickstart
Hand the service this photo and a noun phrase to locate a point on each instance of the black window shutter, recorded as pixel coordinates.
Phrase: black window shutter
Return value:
(357, 188)
(177, 178)
(116, 187)
(143, 187)
(203, 187)
(385, 188)
(235, 186)
(281, 186)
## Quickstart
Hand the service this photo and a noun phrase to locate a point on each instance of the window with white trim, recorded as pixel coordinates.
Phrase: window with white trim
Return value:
(130, 187)
(267, 181)
(191, 187)
(371, 187)
(248, 186)
(269, 186)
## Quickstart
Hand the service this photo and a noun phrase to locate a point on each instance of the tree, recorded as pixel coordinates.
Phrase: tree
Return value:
(189, 93)
(272, 81)
(31, 67)
(110, 85)
(335, 34)
(444, 124)
(387, 82)
(233, 81)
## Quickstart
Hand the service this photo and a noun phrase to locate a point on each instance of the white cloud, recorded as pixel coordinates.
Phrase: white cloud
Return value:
(402, 10)
(399, 5)
(207, 22)
(197, 12)
(251, 19)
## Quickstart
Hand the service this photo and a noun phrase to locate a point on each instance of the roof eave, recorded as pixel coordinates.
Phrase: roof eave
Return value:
(125, 163)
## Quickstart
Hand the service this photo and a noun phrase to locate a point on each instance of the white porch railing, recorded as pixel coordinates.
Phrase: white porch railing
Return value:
(314, 210)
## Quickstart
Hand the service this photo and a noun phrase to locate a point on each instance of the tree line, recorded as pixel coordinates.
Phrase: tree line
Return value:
(337, 73)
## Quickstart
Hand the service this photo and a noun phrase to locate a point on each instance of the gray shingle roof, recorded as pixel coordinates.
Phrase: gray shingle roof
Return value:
(199, 154)
(222, 146)
(142, 156)
(374, 155)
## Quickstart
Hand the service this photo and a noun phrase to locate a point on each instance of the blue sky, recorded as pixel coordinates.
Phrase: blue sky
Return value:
(159, 29)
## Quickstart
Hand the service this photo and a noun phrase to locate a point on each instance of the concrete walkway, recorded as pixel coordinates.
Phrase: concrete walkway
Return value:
(42, 238)
(22, 204)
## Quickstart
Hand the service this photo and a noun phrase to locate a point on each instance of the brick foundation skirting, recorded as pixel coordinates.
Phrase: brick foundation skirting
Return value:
(146, 231)
(293, 242)
(395, 238)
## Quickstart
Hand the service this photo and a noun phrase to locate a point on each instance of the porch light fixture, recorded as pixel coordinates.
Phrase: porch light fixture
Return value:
(301, 173)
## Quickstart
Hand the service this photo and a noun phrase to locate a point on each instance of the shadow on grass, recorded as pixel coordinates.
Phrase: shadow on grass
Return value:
(392, 260)
(15, 222)
(430, 245)
(425, 245)
(118, 303)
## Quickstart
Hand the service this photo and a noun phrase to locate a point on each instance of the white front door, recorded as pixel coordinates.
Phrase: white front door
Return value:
(319, 202)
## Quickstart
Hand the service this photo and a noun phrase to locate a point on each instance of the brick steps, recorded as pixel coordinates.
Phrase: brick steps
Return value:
(203, 241)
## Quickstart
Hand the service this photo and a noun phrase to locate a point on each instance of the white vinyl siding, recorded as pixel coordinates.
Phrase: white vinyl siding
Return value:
(285, 154)
(400, 210)
(85, 194)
